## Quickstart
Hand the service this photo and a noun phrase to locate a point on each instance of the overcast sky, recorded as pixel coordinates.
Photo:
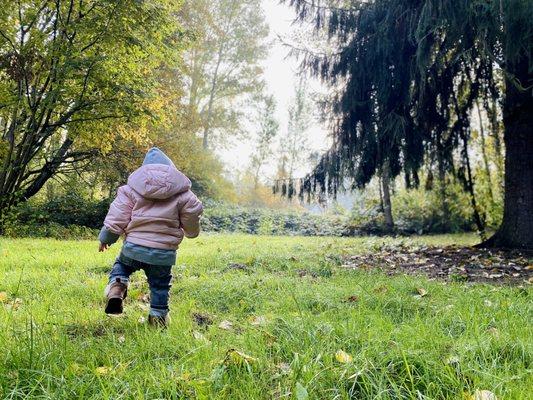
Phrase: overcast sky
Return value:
(281, 78)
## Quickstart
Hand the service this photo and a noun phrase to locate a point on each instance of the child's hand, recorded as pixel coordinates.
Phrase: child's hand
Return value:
(103, 247)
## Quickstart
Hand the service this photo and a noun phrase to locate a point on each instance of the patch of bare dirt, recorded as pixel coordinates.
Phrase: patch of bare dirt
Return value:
(466, 264)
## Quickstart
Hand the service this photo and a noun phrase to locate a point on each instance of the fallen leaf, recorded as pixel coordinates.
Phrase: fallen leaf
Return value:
(144, 298)
(381, 289)
(258, 320)
(422, 292)
(529, 267)
(15, 304)
(226, 325)
(121, 339)
(199, 336)
(285, 368)
(102, 370)
(484, 395)
(75, 368)
(270, 339)
(343, 357)
(235, 357)
(452, 360)
(186, 376)
(353, 299)
(301, 392)
(3, 297)
(494, 332)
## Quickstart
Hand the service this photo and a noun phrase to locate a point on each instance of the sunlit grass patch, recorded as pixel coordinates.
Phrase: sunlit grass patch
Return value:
(257, 317)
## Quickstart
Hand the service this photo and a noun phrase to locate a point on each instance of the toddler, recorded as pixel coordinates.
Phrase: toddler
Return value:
(154, 211)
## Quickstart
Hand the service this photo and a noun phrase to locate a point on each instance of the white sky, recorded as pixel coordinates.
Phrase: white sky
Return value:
(280, 74)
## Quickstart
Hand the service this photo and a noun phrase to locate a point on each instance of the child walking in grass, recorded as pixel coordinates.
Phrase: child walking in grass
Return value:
(154, 211)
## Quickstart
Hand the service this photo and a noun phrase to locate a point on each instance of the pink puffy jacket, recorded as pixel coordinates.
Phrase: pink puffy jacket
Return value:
(156, 208)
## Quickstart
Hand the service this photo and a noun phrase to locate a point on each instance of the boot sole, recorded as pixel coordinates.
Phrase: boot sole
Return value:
(114, 306)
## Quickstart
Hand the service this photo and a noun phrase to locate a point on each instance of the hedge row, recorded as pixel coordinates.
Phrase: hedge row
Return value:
(73, 216)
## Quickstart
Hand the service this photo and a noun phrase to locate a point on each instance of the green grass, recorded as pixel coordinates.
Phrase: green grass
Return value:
(56, 342)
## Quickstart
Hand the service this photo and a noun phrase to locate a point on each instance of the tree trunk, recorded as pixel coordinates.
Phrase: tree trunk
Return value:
(484, 151)
(478, 218)
(48, 170)
(516, 230)
(445, 209)
(387, 205)
(495, 132)
(214, 82)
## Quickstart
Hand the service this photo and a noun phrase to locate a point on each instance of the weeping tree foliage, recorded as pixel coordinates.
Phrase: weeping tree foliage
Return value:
(406, 75)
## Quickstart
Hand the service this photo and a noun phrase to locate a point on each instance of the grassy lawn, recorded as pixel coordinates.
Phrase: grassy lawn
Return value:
(302, 327)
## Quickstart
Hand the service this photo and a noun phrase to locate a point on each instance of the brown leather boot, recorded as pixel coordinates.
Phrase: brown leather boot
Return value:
(116, 293)
(158, 322)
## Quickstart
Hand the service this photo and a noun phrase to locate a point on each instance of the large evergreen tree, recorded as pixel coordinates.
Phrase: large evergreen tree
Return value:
(408, 74)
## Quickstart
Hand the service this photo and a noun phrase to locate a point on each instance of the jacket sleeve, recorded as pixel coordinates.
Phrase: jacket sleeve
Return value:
(190, 216)
(118, 217)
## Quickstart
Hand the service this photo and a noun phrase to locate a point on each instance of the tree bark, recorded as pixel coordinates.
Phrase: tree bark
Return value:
(516, 230)
(495, 128)
(387, 205)
(48, 170)
(478, 218)
(484, 151)
(445, 209)
(214, 82)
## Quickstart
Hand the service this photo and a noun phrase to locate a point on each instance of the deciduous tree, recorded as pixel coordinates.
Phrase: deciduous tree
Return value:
(75, 75)
(222, 65)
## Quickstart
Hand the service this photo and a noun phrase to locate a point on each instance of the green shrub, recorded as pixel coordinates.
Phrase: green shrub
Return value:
(66, 210)
(220, 217)
(51, 230)
(415, 211)
(421, 211)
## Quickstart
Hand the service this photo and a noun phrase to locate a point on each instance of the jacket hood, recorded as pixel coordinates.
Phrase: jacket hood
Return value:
(156, 156)
(158, 178)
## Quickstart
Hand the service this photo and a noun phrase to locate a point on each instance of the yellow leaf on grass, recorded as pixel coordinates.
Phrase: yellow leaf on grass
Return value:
(235, 357)
(186, 376)
(3, 297)
(422, 292)
(343, 357)
(74, 368)
(102, 370)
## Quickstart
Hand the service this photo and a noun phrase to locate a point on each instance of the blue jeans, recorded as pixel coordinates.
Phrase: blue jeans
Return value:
(159, 279)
